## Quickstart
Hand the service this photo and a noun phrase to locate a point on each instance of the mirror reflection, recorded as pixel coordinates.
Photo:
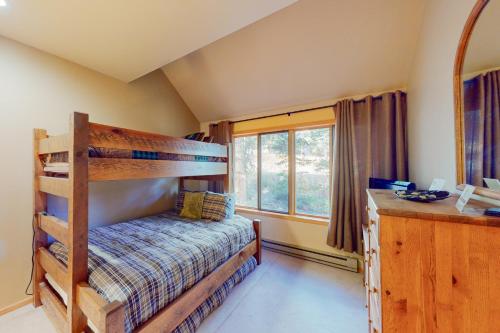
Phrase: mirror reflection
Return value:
(481, 100)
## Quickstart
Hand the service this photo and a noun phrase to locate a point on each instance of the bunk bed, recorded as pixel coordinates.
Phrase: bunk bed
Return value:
(96, 152)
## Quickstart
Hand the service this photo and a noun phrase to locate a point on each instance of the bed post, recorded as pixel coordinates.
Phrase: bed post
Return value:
(258, 239)
(39, 205)
(181, 184)
(227, 183)
(77, 216)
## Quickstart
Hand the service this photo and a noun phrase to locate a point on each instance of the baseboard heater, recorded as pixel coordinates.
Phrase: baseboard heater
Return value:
(338, 261)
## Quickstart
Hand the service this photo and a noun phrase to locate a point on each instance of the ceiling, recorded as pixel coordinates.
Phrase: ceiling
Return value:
(310, 51)
(127, 39)
(483, 51)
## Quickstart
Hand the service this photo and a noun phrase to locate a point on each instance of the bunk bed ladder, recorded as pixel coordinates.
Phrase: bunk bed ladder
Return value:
(73, 233)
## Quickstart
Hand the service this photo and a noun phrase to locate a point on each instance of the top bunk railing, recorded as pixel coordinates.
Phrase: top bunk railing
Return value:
(104, 136)
(132, 154)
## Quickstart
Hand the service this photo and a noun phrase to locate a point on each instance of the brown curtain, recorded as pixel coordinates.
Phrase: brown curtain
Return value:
(370, 141)
(482, 127)
(222, 133)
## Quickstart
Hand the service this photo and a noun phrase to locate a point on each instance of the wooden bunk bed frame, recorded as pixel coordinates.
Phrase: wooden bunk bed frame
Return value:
(83, 302)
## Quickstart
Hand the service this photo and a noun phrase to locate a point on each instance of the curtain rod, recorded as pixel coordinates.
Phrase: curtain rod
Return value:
(282, 114)
(316, 108)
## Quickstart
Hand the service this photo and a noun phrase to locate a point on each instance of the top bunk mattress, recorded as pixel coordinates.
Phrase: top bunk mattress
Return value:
(148, 262)
(58, 162)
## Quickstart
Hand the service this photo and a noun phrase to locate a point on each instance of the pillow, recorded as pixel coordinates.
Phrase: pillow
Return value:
(193, 205)
(179, 203)
(217, 207)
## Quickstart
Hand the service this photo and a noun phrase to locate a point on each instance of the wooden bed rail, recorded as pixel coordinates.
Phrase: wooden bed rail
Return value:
(109, 137)
(121, 138)
(116, 168)
(258, 239)
(54, 144)
(174, 314)
(55, 309)
(105, 317)
(54, 268)
(55, 186)
(55, 227)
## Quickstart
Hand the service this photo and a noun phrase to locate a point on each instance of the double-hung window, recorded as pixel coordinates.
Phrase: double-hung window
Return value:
(284, 172)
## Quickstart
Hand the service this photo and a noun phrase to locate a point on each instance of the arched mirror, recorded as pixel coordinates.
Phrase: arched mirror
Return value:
(477, 97)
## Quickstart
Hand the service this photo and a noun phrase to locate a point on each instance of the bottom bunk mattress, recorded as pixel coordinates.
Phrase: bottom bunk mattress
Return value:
(148, 262)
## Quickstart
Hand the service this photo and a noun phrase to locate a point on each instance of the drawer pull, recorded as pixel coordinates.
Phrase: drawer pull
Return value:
(375, 290)
(374, 251)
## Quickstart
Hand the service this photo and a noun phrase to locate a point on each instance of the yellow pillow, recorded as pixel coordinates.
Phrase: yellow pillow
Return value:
(193, 205)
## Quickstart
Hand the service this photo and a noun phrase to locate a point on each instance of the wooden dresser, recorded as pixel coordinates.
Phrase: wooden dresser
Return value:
(429, 268)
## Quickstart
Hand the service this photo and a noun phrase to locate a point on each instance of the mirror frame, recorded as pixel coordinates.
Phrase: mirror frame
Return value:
(458, 87)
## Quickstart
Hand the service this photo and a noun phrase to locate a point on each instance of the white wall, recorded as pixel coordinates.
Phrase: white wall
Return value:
(430, 93)
(40, 90)
(307, 235)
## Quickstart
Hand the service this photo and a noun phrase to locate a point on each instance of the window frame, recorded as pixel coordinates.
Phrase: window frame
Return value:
(291, 167)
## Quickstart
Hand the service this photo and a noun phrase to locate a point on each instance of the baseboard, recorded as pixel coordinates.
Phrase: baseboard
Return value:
(15, 306)
(334, 260)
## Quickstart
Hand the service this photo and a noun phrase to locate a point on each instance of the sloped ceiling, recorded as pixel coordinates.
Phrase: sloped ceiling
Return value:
(310, 51)
(123, 38)
(483, 51)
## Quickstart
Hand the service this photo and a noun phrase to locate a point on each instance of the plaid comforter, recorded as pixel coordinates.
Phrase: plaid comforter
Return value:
(98, 152)
(147, 263)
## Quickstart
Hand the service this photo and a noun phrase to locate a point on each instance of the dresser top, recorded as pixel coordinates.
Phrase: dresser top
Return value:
(387, 203)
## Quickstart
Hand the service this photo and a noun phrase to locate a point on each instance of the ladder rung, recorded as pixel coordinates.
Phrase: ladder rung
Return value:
(54, 268)
(55, 186)
(54, 144)
(55, 227)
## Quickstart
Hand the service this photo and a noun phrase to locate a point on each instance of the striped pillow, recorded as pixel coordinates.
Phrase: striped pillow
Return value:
(217, 207)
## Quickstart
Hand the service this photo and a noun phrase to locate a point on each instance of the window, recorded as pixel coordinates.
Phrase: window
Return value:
(312, 172)
(286, 172)
(245, 171)
(274, 172)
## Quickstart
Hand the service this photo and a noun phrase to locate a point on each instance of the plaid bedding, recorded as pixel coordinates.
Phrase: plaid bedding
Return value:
(98, 152)
(148, 262)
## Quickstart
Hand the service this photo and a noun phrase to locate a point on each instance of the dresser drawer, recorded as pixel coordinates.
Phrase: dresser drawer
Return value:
(366, 239)
(366, 263)
(372, 209)
(374, 278)
(373, 242)
(374, 266)
(375, 313)
(373, 220)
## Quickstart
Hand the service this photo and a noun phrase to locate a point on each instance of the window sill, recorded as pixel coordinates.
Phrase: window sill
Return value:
(282, 216)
